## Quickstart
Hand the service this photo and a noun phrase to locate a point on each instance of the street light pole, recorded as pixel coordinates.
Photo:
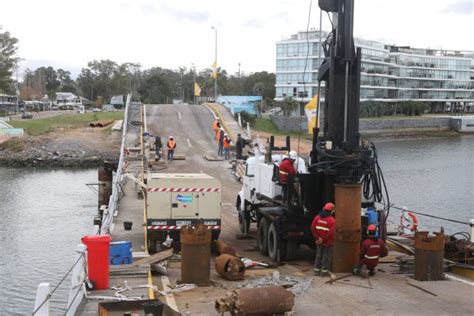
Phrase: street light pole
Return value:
(215, 61)
(193, 66)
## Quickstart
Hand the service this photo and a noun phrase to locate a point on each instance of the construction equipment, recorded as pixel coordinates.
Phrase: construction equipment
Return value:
(175, 200)
(342, 169)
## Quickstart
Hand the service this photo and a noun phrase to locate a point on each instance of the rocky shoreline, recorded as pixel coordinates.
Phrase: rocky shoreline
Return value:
(56, 161)
(77, 149)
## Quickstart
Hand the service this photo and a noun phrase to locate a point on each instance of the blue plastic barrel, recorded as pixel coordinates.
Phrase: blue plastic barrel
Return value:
(372, 218)
(120, 252)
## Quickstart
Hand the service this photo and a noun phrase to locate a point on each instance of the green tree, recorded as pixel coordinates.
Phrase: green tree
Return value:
(8, 61)
(288, 105)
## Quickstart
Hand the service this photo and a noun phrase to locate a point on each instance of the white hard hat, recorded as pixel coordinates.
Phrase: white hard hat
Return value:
(293, 154)
(171, 136)
(225, 134)
(404, 208)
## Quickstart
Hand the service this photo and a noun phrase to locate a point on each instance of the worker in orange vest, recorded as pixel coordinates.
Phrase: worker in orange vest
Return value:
(226, 144)
(171, 145)
(216, 126)
(323, 228)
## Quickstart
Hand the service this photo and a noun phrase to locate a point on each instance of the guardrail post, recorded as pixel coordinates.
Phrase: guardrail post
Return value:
(77, 279)
(239, 120)
(41, 295)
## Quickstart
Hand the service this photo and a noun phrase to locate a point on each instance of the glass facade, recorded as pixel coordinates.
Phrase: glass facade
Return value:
(388, 73)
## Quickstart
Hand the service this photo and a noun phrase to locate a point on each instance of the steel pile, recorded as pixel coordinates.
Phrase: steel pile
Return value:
(260, 301)
(230, 267)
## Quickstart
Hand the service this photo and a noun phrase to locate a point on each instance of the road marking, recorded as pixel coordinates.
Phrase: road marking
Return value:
(179, 114)
(189, 142)
(169, 298)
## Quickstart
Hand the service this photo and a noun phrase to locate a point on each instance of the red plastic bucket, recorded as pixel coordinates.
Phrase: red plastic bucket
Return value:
(98, 259)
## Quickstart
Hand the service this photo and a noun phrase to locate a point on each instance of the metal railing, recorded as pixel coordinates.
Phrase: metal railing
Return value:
(78, 278)
(108, 215)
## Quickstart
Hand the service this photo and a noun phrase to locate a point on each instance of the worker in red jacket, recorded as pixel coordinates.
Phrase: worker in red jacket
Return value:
(323, 228)
(285, 169)
(370, 251)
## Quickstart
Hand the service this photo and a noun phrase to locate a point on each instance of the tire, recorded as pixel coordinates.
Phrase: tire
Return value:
(244, 222)
(291, 247)
(262, 233)
(274, 243)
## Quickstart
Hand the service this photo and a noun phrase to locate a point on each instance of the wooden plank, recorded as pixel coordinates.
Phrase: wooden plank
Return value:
(160, 256)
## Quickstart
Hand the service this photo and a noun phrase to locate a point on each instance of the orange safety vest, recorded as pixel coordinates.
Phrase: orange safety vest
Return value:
(171, 144)
(218, 135)
(215, 127)
(226, 143)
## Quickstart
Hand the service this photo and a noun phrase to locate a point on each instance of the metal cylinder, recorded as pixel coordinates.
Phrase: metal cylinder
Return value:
(196, 254)
(230, 267)
(471, 230)
(348, 227)
(429, 252)
(264, 300)
(105, 185)
(222, 247)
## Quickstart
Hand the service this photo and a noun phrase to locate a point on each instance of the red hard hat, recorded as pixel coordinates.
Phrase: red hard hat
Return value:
(328, 206)
(371, 228)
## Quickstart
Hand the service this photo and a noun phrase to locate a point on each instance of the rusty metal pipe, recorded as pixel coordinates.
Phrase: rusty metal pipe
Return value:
(348, 227)
(196, 254)
(222, 247)
(259, 301)
(104, 186)
(230, 267)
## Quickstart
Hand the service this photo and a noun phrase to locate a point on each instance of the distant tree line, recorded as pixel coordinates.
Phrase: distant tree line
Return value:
(379, 109)
(102, 79)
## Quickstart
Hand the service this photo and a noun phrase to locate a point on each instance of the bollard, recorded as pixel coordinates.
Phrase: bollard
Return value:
(196, 254)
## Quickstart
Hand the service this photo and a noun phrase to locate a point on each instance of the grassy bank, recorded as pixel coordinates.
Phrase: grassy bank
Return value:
(46, 125)
(267, 126)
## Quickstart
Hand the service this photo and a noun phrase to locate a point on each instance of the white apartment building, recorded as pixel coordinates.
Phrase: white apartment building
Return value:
(389, 73)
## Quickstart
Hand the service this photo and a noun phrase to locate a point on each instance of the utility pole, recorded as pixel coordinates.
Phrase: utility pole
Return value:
(193, 66)
(239, 70)
(215, 61)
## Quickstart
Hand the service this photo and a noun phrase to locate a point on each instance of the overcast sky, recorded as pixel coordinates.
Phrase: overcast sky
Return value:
(172, 33)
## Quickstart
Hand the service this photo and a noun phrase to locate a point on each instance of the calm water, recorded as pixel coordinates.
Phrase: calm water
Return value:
(434, 176)
(45, 213)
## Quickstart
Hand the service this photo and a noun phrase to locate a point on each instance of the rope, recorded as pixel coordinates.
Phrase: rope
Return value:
(57, 285)
(432, 216)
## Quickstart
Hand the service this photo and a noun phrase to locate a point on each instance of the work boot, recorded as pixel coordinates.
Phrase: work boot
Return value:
(324, 273)
(371, 272)
(356, 270)
(317, 272)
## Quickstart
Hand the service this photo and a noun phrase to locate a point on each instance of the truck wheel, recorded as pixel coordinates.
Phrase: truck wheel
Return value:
(262, 233)
(291, 247)
(244, 222)
(274, 243)
(151, 246)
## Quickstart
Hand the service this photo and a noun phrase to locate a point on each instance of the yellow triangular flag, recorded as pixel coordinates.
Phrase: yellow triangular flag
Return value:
(214, 65)
(197, 90)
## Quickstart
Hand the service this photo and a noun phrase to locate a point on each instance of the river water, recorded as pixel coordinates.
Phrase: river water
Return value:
(45, 213)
